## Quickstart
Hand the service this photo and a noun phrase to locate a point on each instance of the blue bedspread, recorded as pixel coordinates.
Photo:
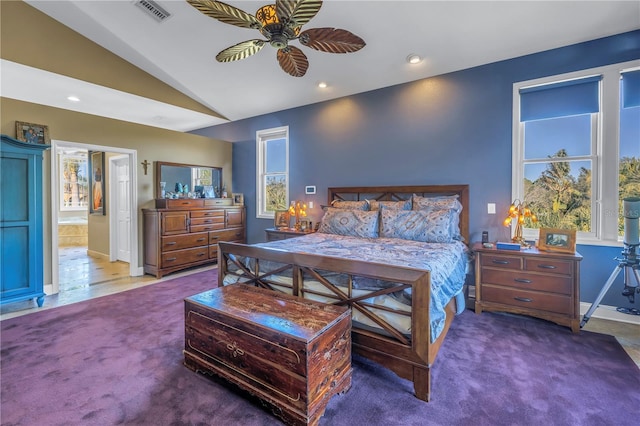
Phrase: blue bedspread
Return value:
(447, 263)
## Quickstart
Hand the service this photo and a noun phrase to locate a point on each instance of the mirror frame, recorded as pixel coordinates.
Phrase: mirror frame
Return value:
(157, 170)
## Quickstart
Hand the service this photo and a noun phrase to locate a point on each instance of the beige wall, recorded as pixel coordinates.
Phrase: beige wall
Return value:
(152, 144)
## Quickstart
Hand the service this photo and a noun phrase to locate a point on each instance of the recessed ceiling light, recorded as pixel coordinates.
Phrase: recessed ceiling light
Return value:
(73, 98)
(414, 59)
(322, 85)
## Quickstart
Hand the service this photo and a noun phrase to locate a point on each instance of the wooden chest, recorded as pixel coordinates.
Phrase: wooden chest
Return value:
(292, 353)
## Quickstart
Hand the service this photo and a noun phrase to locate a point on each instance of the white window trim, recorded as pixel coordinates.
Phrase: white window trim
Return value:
(605, 159)
(261, 137)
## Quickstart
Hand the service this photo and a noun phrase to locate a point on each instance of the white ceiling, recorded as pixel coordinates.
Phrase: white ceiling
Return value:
(450, 35)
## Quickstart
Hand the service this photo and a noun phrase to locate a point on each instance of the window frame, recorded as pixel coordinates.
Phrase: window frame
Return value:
(61, 181)
(605, 157)
(262, 137)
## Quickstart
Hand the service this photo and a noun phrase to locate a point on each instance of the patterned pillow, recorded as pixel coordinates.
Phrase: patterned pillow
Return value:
(354, 223)
(442, 202)
(430, 226)
(390, 205)
(351, 205)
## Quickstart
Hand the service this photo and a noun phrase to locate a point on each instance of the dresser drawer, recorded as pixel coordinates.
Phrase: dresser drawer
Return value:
(219, 214)
(527, 299)
(184, 202)
(528, 281)
(554, 266)
(195, 221)
(178, 242)
(226, 235)
(213, 251)
(181, 257)
(504, 262)
(206, 227)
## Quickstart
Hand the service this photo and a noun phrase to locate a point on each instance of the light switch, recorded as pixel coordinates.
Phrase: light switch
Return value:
(310, 204)
(491, 208)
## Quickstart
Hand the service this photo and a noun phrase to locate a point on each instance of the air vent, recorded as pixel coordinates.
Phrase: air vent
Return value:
(153, 9)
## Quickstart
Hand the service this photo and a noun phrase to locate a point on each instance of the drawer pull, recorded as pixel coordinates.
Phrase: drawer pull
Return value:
(201, 254)
(500, 262)
(208, 221)
(171, 259)
(523, 299)
(171, 243)
(547, 266)
(215, 238)
(522, 280)
(236, 351)
(201, 239)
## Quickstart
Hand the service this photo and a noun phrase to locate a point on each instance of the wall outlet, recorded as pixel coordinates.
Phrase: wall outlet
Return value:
(491, 208)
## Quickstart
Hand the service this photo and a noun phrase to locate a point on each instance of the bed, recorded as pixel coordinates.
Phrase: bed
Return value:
(396, 255)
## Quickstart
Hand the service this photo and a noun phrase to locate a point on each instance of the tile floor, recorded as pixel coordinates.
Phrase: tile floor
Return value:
(83, 277)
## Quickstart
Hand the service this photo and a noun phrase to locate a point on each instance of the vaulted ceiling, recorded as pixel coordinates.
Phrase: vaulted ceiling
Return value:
(180, 51)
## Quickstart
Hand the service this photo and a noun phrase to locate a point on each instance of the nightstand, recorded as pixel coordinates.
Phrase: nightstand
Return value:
(274, 234)
(531, 282)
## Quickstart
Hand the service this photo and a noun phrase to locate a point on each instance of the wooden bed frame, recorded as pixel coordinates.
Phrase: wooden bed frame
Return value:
(410, 357)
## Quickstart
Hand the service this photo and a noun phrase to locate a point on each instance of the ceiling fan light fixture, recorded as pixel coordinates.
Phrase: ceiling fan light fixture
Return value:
(414, 59)
(267, 15)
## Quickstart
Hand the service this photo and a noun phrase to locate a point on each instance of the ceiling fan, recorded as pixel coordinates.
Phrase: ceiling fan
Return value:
(280, 23)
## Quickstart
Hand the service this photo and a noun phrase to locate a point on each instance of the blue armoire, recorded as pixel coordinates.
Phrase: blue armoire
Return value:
(21, 246)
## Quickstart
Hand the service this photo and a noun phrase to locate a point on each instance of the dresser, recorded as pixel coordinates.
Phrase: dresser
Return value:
(292, 353)
(275, 234)
(531, 282)
(182, 233)
(21, 246)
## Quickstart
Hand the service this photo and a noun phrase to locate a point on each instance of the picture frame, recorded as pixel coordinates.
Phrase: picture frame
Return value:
(281, 219)
(304, 225)
(557, 240)
(238, 199)
(97, 194)
(32, 133)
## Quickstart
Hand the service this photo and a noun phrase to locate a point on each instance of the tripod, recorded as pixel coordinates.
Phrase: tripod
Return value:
(630, 262)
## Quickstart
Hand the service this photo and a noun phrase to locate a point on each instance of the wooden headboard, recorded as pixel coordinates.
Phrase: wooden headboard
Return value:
(397, 193)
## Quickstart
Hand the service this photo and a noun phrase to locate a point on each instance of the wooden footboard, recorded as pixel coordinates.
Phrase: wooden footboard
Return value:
(409, 356)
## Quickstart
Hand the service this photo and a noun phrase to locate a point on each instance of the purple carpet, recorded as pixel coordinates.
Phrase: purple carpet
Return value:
(118, 360)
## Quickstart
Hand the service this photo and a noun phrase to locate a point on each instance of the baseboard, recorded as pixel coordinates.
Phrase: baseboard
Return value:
(609, 313)
(97, 254)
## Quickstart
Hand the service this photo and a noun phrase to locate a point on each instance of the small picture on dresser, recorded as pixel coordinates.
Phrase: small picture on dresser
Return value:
(281, 219)
(558, 240)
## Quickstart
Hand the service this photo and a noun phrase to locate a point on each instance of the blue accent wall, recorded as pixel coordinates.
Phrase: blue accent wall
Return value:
(449, 129)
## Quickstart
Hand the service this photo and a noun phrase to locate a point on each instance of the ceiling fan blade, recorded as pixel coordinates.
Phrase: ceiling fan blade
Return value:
(240, 51)
(225, 13)
(332, 40)
(296, 13)
(293, 61)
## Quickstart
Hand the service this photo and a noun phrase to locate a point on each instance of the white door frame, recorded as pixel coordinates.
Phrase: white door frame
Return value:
(134, 267)
(113, 207)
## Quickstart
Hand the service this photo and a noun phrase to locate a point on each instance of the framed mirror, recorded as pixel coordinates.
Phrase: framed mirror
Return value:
(176, 180)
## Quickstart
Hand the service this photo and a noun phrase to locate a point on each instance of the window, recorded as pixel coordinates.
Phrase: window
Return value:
(273, 171)
(74, 180)
(576, 151)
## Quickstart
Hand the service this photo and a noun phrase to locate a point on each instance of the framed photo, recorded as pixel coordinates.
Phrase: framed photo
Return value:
(97, 201)
(304, 225)
(558, 240)
(238, 199)
(281, 219)
(32, 133)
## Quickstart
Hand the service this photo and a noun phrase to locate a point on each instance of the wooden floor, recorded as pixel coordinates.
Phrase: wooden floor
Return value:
(83, 277)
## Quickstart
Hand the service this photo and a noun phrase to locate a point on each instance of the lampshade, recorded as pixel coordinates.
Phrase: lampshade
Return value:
(267, 15)
(518, 211)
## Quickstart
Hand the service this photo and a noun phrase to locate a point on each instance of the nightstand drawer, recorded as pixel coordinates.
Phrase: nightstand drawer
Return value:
(553, 266)
(527, 299)
(504, 262)
(516, 279)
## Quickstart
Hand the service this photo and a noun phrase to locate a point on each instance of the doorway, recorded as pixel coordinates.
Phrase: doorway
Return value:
(121, 202)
